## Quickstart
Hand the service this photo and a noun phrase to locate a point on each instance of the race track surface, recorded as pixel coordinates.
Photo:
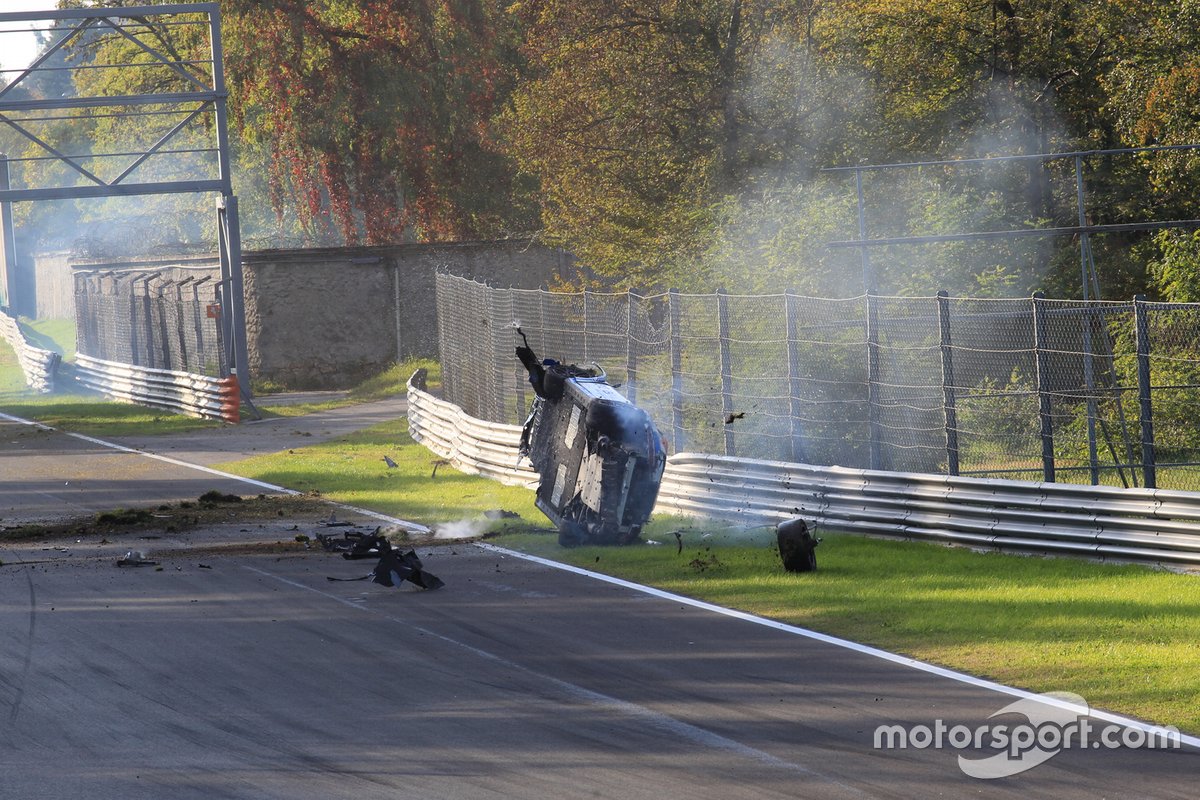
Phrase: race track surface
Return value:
(255, 677)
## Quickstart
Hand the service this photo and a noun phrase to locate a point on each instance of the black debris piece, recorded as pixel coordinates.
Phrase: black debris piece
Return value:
(797, 547)
(729, 418)
(355, 544)
(394, 566)
(500, 513)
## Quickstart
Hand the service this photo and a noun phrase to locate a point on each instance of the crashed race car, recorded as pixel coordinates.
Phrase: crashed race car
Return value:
(599, 457)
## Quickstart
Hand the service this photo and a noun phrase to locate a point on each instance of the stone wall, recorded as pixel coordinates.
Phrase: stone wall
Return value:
(326, 318)
(329, 317)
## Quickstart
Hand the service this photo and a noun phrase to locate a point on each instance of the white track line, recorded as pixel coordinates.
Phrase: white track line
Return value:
(227, 475)
(941, 672)
(961, 677)
(675, 727)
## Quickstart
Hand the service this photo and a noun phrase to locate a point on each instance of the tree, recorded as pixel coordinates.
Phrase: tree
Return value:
(369, 118)
(376, 114)
(640, 119)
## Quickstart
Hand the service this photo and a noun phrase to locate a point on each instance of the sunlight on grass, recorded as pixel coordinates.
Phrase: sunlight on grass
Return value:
(1125, 637)
(351, 469)
(391, 382)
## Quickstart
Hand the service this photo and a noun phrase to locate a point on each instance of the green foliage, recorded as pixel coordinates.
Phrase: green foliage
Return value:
(1176, 269)
(679, 143)
(374, 116)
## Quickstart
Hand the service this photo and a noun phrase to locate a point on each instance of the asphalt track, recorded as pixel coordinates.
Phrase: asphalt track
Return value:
(252, 676)
(48, 475)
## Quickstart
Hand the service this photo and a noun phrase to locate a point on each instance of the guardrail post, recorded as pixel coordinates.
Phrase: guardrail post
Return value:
(873, 381)
(1043, 386)
(726, 367)
(1142, 334)
(674, 313)
(948, 398)
(794, 380)
(630, 349)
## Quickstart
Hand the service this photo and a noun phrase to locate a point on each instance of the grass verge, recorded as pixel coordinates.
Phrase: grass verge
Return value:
(1125, 637)
(351, 469)
(389, 383)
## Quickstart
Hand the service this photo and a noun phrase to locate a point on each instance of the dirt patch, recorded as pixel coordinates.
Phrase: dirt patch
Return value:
(212, 508)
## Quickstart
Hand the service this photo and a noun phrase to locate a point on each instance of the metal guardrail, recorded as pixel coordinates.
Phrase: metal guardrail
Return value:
(38, 364)
(1095, 521)
(183, 392)
(471, 445)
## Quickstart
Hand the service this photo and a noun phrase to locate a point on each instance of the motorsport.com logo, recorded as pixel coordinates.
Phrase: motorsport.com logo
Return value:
(1053, 722)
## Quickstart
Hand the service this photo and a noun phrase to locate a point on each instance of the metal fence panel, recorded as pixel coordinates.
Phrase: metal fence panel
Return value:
(1022, 388)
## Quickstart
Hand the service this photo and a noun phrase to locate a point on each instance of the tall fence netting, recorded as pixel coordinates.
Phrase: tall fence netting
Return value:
(166, 319)
(1026, 388)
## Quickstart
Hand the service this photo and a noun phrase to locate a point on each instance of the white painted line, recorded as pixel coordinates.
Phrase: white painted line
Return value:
(227, 475)
(674, 727)
(942, 672)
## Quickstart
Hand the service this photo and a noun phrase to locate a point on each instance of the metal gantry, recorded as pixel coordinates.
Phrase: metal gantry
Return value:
(197, 96)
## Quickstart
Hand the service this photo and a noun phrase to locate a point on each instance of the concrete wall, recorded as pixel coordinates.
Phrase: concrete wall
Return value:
(326, 318)
(53, 287)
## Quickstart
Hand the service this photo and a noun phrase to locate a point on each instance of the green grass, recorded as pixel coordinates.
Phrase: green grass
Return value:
(389, 383)
(91, 414)
(51, 334)
(1125, 637)
(351, 469)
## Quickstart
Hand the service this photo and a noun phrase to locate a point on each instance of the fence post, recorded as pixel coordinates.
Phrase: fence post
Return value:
(1043, 386)
(794, 385)
(180, 336)
(948, 398)
(199, 313)
(873, 381)
(726, 368)
(674, 313)
(1089, 382)
(167, 359)
(522, 376)
(630, 350)
(1141, 325)
(586, 355)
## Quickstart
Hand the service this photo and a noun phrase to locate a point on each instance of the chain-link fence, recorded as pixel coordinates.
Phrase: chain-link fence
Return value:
(1029, 389)
(163, 319)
